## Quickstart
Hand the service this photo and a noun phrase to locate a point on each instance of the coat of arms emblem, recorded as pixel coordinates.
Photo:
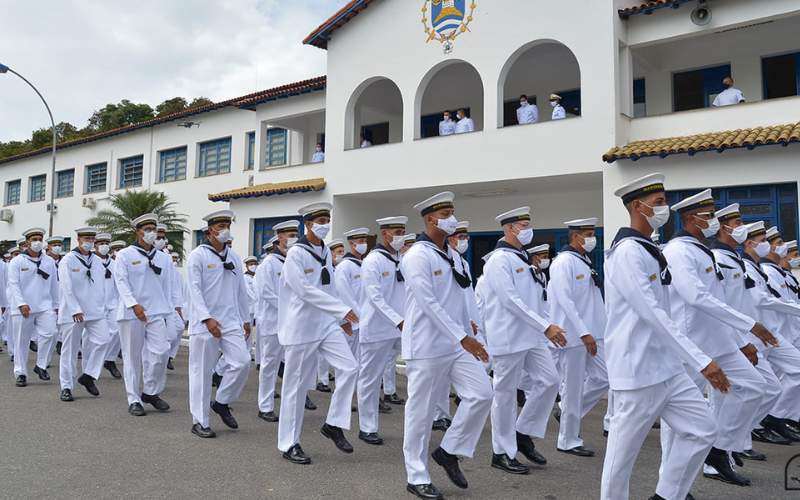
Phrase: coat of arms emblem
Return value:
(444, 20)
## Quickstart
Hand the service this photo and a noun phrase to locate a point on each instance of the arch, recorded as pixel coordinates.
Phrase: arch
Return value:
(539, 68)
(375, 109)
(449, 85)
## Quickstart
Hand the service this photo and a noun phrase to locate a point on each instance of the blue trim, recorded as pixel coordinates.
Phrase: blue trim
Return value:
(277, 138)
(330, 24)
(94, 175)
(172, 165)
(252, 105)
(65, 183)
(251, 149)
(38, 187)
(13, 192)
(692, 153)
(131, 171)
(649, 10)
(215, 157)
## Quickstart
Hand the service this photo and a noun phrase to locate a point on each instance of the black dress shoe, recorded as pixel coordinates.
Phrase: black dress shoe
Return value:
(136, 410)
(22, 381)
(170, 366)
(88, 382)
(767, 436)
(718, 459)
(12, 358)
(66, 395)
(280, 373)
(449, 463)
(258, 367)
(203, 432)
(112, 369)
(353, 408)
(689, 496)
(58, 347)
(322, 387)
(216, 379)
(656, 425)
(383, 407)
(452, 395)
(737, 460)
(557, 415)
(394, 399)
(310, 404)
(778, 426)
(336, 435)
(751, 455)
(277, 396)
(224, 412)
(426, 491)
(508, 464)
(457, 400)
(296, 455)
(269, 416)
(578, 451)
(157, 402)
(526, 447)
(41, 372)
(370, 437)
(656, 497)
(441, 425)
(521, 398)
(34, 347)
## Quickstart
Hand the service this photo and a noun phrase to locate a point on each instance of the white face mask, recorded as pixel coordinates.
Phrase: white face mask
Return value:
(103, 249)
(36, 246)
(149, 237)
(447, 225)
(321, 230)
(544, 264)
(361, 248)
(397, 242)
(338, 258)
(553, 103)
(251, 268)
(56, 250)
(160, 244)
(762, 249)
(523, 103)
(659, 218)
(739, 234)
(525, 236)
(589, 244)
(795, 263)
(447, 118)
(224, 235)
(174, 263)
(319, 150)
(462, 246)
(87, 246)
(782, 250)
(712, 229)
(290, 242)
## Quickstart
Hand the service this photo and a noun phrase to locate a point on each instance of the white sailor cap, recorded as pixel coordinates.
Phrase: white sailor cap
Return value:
(250, 258)
(103, 238)
(553, 97)
(219, 216)
(792, 245)
(175, 255)
(773, 234)
(34, 231)
(117, 244)
(21, 241)
(655, 237)
(755, 229)
(539, 249)
(729, 212)
(14, 250)
(273, 240)
(161, 228)
(355, 234)
(170, 247)
(315, 210)
(582, 224)
(461, 228)
(702, 199)
(410, 237)
(7, 255)
(54, 239)
(398, 222)
(289, 226)
(643, 186)
(435, 202)
(87, 231)
(145, 219)
(336, 244)
(516, 215)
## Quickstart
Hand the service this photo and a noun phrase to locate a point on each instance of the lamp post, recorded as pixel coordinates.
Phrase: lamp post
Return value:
(5, 69)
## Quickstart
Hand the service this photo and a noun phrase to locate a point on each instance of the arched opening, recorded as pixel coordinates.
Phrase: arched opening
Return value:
(451, 86)
(539, 69)
(374, 114)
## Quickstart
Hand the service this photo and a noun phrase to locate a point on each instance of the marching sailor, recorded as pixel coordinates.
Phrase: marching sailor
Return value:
(250, 266)
(408, 241)
(112, 303)
(323, 367)
(178, 321)
(349, 280)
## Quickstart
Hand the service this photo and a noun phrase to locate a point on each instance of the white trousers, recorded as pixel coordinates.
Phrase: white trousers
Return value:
(144, 352)
(175, 327)
(91, 339)
(390, 372)
(785, 363)
(271, 355)
(298, 375)
(584, 381)
(373, 357)
(680, 404)
(114, 345)
(256, 343)
(324, 370)
(772, 394)
(203, 349)
(532, 420)
(9, 324)
(43, 323)
(475, 390)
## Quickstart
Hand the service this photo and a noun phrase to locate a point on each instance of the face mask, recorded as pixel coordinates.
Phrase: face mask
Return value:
(795, 263)
(87, 246)
(659, 218)
(224, 235)
(160, 244)
(290, 242)
(174, 263)
(321, 230)
(462, 246)
(149, 237)
(319, 150)
(251, 268)
(103, 250)
(361, 248)
(739, 234)
(553, 103)
(397, 242)
(544, 264)
(726, 85)
(525, 236)
(446, 117)
(762, 249)
(782, 250)
(523, 103)
(447, 225)
(36, 246)
(55, 250)
(712, 229)
(338, 258)
(589, 244)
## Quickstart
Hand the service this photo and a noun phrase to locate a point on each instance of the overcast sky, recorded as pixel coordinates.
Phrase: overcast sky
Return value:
(83, 54)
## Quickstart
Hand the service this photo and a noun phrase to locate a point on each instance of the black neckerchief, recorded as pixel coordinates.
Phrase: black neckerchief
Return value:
(703, 248)
(585, 260)
(383, 251)
(766, 262)
(718, 245)
(88, 265)
(796, 287)
(278, 254)
(763, 275)
(38, 262)
(248, 273)
(308, 247)
(352, 258)
(462, 280)
(223, 257)
(649, 247)
(149, 255)
(106, 263)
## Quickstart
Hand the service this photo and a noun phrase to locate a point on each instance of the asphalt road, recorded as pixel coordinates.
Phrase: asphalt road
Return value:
(92, 448)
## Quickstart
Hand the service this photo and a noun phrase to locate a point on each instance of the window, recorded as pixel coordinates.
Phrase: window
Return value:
(96, 178)
(198, 238)
(571, 101)
(38, 187)
(66, 244)
(215, 157)
(639, 102)
(13, 189)
(781, 75)
(379, 133)
(251, 149)
(173, 165)
(130, 172)
(66, 183)
(697, 89)
(276, 147)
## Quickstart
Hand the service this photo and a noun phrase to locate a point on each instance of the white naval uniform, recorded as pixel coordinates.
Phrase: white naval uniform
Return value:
(27, 287)
(349, 280)
(647, 355)
(447, 127)
(699, 309)
(515, 326)
(112, 304)
(217, 292)
(175, 321)
(82, 292)
(728, 97)
(3, 300)
(145, 348)
(558, 112)
(576, 305)
(382, 311)
(436, 320)
(465, 125)
(309, 319)
(35, 335)
(527, 113)
(267, 280)
(318, 157)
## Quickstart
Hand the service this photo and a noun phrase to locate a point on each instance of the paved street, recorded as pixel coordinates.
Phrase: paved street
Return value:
(92, 448)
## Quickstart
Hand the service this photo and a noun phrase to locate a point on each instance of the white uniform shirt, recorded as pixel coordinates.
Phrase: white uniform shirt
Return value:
(447, 127)
(349, 284)
(465, 125)
(728, 97)
(511, 303)
(384, 297)
(698, 299)
(472, 300)
(643, 346)
(771, 311)
(777, 280)
(109, 285)
(137, 283)
(734, 285)
(178, 290)
(576, 304)
(308, 310)
(216, 292)
(365, 143)
(527, 113)
(27, 287)
(79, 292)
(558, 112)
(318, 157)
(267, 281)
(3, 284)
(252, 293)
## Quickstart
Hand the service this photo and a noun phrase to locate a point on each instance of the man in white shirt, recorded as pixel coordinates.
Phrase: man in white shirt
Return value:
(364, 142)
(349, 279)
(319, 154)
(728, 96)
(54, 251)
(175, 321)
(447, 126)
(323, 367)
(558, 109)
(250, 266)
(112, 299)
(526, 112)
(409, 240)
(464, 124)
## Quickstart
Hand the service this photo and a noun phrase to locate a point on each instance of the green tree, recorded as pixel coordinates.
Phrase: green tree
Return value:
(128, 205)
(200, 101)
(114, 116)
(171, 106)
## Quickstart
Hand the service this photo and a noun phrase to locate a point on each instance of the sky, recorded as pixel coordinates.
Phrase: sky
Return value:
(84, 54)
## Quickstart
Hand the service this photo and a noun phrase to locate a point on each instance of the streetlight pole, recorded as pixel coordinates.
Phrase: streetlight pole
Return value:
(4, 69)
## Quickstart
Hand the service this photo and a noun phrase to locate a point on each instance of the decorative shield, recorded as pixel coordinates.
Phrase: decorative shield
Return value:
(444, 20)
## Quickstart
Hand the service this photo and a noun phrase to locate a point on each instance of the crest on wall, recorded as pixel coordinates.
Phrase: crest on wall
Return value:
(444, 20)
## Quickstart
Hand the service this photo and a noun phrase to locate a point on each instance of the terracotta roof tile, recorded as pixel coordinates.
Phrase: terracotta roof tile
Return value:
(712, 141)
(648, 7)
(320, 36)
(270, 189)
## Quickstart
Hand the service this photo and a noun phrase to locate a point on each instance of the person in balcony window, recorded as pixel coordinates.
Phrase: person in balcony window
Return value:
(526, 112)
(319, 156)
(464, 124)
(364, 142)
(558, 109)
(447, 126)
(730, 95)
